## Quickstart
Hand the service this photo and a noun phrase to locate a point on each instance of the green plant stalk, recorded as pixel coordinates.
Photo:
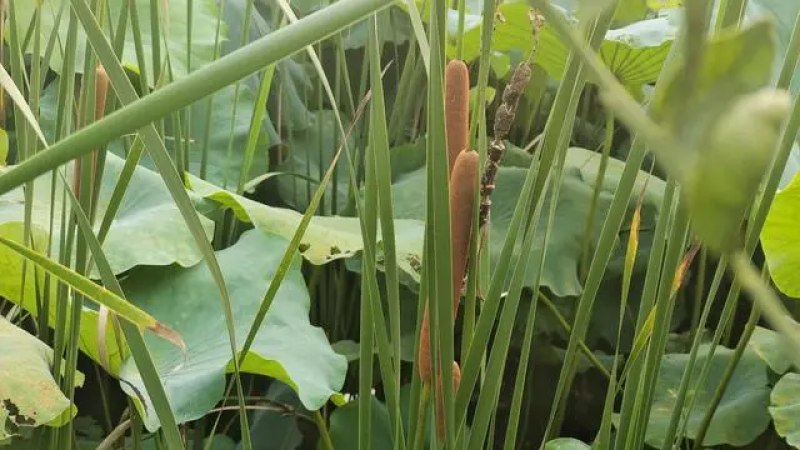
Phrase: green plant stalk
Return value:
(698, 293)
(111, 103)
(480, 248)
(155, 38)
(603, 440)
(380, 327)
(210, 99)
(791, 58)
(752, 321)
(562, 321)
(397, 121)
(25, 150)
(486, 321)
(367, 333)
(144, 79)
(633, 417)
(552, 148)
(203, 81)
(42, 301)
(440, 292)
(247, 17)
(383, 177)
(629, 419)
(462, 14)
(419, 33)
(345, 74)
(729, 13)
(520, 382)
(422, 414)
(598, 187)
(420, 394)
(766, 300)
(259, 111)
(325, 437)
(664, 309)
(490, 391)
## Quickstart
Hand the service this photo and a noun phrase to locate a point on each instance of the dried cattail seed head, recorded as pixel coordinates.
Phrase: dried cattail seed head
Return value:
(503, 119)
(517, 84)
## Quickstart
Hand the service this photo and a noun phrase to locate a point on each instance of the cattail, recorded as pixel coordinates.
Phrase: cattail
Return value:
(101, 82)
(424, 356)
(504, 119)
(440, 431)
(456, 107)
(463, 187)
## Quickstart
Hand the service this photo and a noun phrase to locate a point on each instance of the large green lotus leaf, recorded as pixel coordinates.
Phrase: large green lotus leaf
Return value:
(635, 53)
(204, 24)
(772, 348)
(741, 416)
(287, 347)
(327, 238)
(148, 228)
(785, 408)
(310, 153)
(29, 396)
(566, 444)
(344, 426)
(13, 289)
(781, 240)
(564, 246)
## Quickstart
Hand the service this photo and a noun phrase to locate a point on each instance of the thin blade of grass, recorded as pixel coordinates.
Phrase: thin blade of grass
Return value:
(383, 177)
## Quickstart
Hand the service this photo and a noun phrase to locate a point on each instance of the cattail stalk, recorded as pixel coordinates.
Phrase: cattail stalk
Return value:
(504, 119)
(101, 83)
(439, 410)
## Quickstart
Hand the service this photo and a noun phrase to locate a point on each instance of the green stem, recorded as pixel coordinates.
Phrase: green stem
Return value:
(323, 431)
(419, 437)
(598, 186)
(568, 329)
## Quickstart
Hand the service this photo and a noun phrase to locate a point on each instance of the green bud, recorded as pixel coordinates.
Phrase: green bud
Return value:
(731, 164)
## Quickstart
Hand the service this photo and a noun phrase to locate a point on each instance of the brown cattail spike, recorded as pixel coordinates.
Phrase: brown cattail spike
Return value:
(101, 82)
(456, 107)
(440, 431)
(463, 186)
(424, 355)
